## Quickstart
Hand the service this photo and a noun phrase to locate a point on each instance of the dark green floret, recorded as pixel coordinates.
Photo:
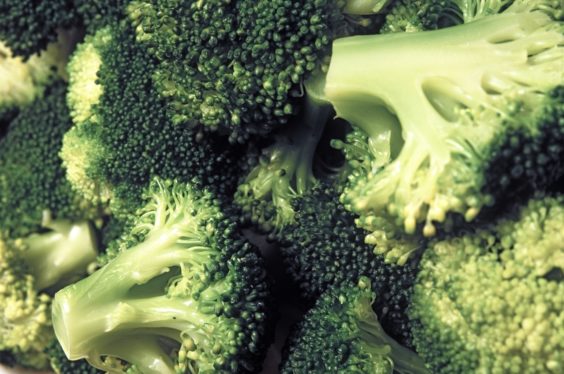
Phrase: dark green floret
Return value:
(27, 26)
(324, 247)
(188, 297)
(123, 136)
(442, 113)
(490, 299)
(342, 334)
(237, 65)
(62, 365)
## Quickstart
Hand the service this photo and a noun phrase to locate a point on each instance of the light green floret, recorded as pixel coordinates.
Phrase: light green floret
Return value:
(491, 300)
(84, 91)
(440, 109)
(24, 81)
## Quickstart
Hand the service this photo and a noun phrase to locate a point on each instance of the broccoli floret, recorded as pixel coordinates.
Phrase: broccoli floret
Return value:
(24, 81)
(62, 365)
(341, 334)
(123, 136)
(32, 179)
(185, 294)
(285, 170)
(28, 26)
(96, 14)
(442, 113)
(324, 247)
(237, 65)
(30, 268)
(490, 299)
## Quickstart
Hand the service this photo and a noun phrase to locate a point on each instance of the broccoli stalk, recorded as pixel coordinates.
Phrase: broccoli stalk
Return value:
(168, 303)
(285, 170)
(459, 96)
(60, 254)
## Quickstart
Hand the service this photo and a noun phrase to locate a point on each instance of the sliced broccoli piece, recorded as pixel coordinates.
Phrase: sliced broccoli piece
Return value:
(188, 296)
(490, 299)
(236, 65)
(126, 136)
(30, 268)
(324, 247)
(28, 26)
(341, 334)
(440, 110)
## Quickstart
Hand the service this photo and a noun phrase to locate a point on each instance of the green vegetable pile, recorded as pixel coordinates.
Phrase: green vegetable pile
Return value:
(403, 160)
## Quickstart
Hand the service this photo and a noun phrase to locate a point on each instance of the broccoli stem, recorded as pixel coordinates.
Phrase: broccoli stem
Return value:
(380, 344)
(121, 305)
(141, 351)
(60, 255)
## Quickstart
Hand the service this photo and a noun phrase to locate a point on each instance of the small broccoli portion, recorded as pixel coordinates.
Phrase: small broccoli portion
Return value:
(236, 65)
(127, 137)
(490, 299)
(285, 170)
(341, 334)
(185, 294)
(96, 14)
(62, 365)
(25, 81)
(437, 118)
(30, 268)
(28, 26)
(324, 247)
(32, 179)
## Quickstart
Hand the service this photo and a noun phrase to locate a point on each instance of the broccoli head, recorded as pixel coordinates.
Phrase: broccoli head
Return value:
(32, 178)
(122, 135)
(490, 299)
(341, 334)
(324, 247)
(448, 121)
(237, 65)
(185, 294)
(28, 26)
(24, 81)
(30, 268)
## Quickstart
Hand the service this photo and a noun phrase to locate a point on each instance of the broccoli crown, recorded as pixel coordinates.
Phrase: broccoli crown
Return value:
(27, 26)
(185, 294)
(30, 268)
(491, 299)
(285, 170)
(32, 178)
(324, 247)
(96, 14)
(123, 136)
(443, 106)
(24, 81)
(62, 365)
(237, 65)
(341, 334)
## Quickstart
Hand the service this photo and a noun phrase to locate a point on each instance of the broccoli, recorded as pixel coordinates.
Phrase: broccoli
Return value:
(62, 365)
(238, 65)
(449, 121)
(32, 178)
(24, 81)
(285, 170)
(122, 135)
(28, 26)
(341, 334)
(324, 247)
(490, 298)
(185, 294)
(30, 268)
